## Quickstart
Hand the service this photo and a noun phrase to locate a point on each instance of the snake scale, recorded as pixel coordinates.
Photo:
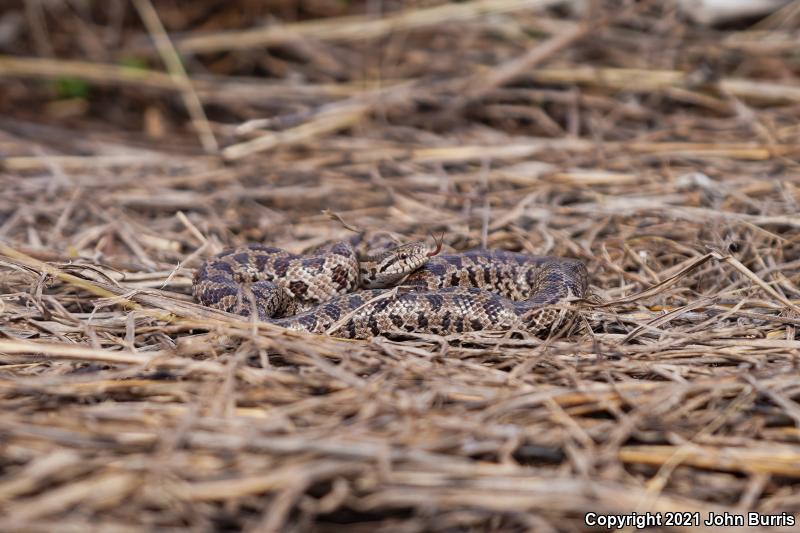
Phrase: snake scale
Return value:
(408, 288)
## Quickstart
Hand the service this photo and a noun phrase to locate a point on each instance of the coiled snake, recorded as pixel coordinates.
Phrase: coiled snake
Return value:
(335, 290)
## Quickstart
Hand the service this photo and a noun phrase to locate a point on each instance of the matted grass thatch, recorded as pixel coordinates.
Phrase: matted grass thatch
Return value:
(663, 154)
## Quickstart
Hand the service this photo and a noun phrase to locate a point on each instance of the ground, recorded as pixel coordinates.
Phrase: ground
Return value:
(661, 152)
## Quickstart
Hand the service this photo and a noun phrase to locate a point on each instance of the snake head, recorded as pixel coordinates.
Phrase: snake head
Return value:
(391, 266)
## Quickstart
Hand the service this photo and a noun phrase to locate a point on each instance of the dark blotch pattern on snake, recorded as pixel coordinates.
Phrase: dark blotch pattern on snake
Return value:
(404, 289)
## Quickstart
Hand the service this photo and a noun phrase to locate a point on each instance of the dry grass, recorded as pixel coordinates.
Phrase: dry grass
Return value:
(664, 155)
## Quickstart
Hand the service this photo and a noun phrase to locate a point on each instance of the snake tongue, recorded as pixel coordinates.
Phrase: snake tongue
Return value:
(437, 250)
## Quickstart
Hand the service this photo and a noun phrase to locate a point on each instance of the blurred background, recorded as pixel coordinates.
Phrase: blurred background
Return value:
(120, 68)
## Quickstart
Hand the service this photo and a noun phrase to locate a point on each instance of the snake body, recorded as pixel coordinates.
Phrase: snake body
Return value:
(329, 291)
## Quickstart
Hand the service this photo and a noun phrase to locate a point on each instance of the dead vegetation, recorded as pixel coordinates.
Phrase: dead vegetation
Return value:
(663, 154)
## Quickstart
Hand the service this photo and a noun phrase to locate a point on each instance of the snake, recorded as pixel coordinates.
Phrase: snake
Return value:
(403, 289)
